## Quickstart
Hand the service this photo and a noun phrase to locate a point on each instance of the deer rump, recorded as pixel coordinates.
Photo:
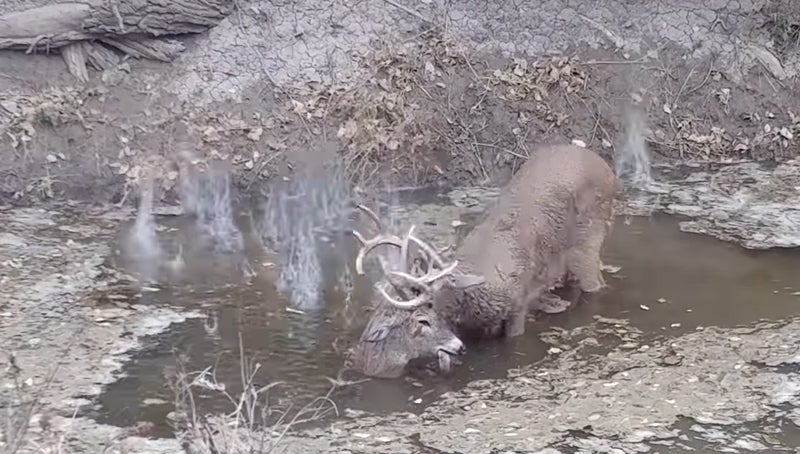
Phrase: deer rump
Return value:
(545, 230)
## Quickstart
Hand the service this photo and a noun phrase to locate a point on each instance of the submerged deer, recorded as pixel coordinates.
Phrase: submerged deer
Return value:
(546, 230)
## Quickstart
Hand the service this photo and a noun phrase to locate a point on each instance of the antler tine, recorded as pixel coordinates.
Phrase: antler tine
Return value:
(368, 245)
(410, 304)
(419, 281)
(430, 250)
(431, 278)
(404, 249)
(445, 269)
(371, 215)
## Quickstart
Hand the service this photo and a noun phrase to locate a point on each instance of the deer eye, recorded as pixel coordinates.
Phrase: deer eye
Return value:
(424, 322)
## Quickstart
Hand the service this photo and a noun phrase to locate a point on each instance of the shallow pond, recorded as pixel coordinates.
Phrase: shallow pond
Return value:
(668, 283)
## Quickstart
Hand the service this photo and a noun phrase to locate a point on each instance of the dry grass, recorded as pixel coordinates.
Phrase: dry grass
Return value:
(783, 24)
(427, 97)
(251, 426)
(22, 406)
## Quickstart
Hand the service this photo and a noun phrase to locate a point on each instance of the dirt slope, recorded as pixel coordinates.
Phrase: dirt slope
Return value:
(454, 93)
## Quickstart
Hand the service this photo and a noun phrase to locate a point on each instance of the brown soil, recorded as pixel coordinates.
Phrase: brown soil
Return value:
(433, 108)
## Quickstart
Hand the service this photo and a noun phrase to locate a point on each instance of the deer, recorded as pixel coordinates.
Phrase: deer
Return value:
(546, 230)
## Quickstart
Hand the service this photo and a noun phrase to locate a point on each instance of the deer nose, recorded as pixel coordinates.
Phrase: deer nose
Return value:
(455, 346)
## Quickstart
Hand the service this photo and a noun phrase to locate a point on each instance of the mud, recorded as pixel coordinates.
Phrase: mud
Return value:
(69, 320)
(748, 203)
(634, 370)
(625, 401)
(271, 86)
(470, 89)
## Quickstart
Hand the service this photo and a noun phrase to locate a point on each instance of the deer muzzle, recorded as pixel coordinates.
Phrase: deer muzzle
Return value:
(453, 348)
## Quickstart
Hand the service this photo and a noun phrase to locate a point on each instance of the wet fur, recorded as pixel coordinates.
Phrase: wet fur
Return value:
(546, 229)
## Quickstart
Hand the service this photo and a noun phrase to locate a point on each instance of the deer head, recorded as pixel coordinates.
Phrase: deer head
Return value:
(406, 327)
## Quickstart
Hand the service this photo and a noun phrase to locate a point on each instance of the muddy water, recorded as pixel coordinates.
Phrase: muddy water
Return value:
(669, 282)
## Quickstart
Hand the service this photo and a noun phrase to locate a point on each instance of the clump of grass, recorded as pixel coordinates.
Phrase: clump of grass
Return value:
(251, 426)
(21, 406)
(783, 24)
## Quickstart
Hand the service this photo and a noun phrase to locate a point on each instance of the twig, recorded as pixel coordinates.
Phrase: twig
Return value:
(705, 80)
(683, 87)
(503, 149)
(410, 11)
(613, 62)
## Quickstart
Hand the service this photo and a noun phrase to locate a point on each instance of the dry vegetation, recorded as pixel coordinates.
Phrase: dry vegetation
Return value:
(252, 426)
(428, 111)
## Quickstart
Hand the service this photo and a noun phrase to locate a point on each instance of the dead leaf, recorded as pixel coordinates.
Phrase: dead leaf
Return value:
(255, 134)
(123, 169)
(348, 130)
(298, 107)
(611, 269)
(210, 134)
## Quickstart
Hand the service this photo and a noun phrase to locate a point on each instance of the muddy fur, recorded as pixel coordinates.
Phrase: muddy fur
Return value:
(546, 229)
(394, 337)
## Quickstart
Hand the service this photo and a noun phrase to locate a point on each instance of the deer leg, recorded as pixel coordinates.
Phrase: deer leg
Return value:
(520, 304)
(584, 264)
(515, 324)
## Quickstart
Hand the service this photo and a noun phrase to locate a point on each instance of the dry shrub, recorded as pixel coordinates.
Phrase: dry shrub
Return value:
(536, 80)
(55, 107)
(783, 24)
(252, 425)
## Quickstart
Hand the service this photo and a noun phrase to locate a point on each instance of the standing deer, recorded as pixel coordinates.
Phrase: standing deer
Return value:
(545, 230)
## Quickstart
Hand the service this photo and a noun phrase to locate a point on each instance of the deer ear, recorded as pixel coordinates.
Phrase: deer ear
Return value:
(462, 281)
(379, 327)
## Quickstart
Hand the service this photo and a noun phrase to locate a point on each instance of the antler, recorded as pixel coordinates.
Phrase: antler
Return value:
(423, 283)
(368, 245)
(410, 304)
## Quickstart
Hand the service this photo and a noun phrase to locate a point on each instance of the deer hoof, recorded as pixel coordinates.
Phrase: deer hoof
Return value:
(554, 305)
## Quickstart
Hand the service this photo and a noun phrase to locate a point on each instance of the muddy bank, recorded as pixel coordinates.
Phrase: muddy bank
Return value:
(634, 399)
(751, 204)
(91, 319)
(450, 94)
(456, 94)
(68, 320)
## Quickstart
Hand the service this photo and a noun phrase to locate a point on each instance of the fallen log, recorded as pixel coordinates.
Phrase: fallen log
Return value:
(81, 30)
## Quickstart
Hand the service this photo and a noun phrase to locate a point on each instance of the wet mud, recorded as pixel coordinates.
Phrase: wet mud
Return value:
(684, 313)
